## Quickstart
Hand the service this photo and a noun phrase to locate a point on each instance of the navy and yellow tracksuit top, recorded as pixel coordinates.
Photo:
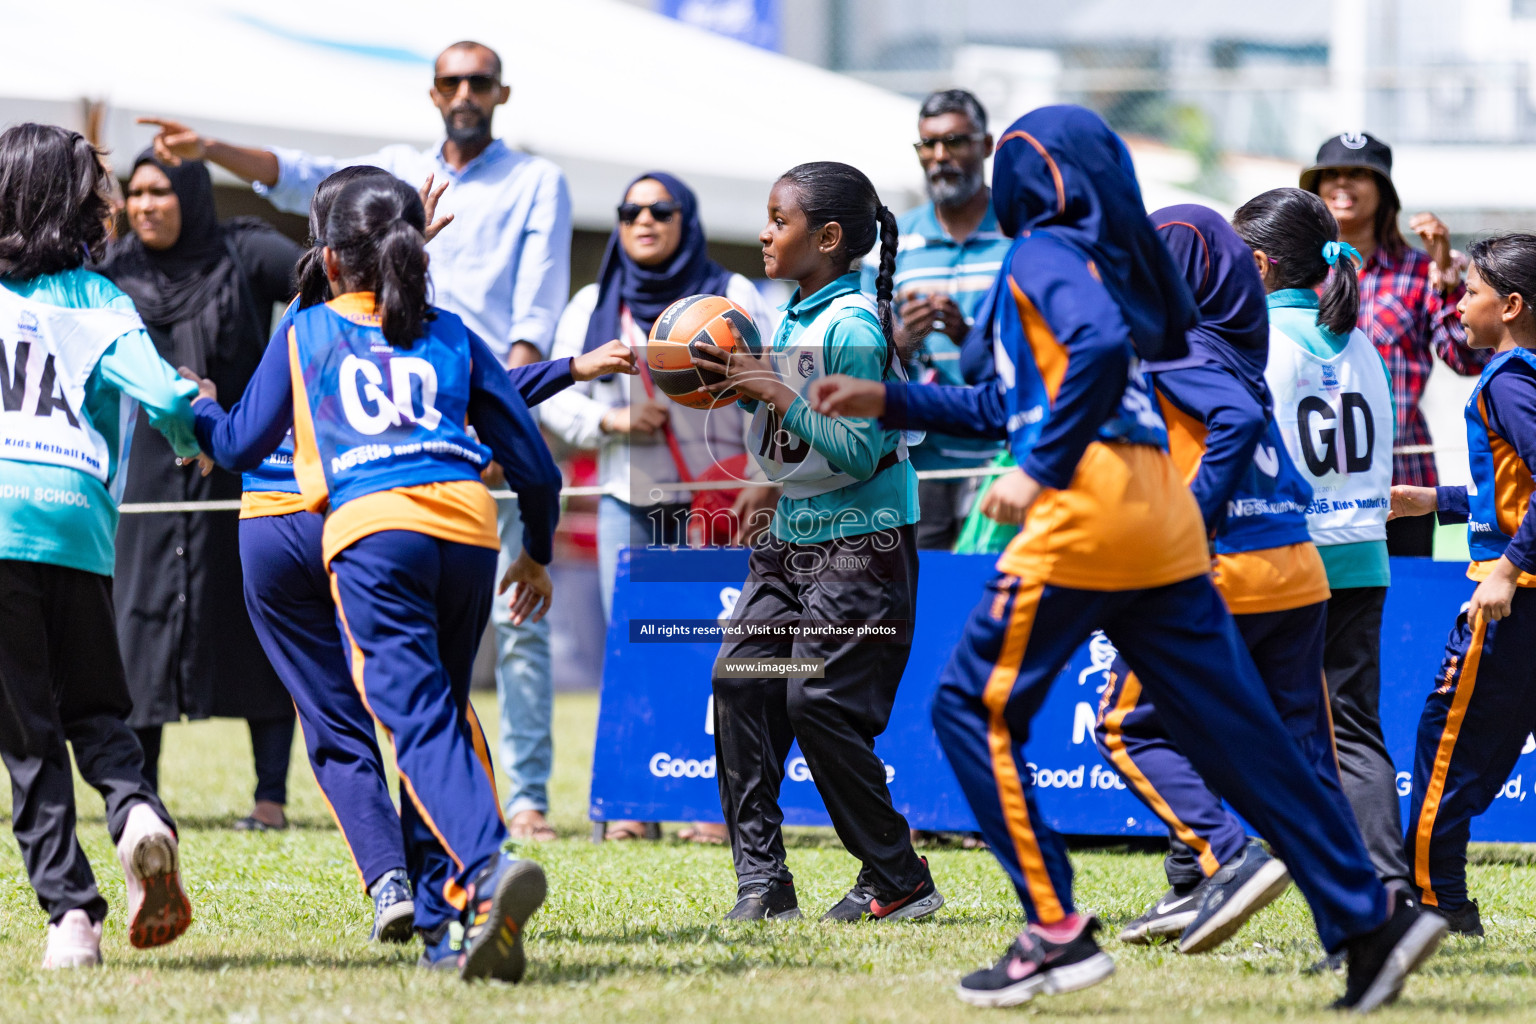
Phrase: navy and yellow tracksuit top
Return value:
(381, 434)
(1081, 419)
(1501, 444)
(1251, 497)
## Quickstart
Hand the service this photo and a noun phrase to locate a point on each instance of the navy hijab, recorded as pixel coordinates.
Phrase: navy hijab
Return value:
(647, 291)
(1218, 267)
(1061, 171)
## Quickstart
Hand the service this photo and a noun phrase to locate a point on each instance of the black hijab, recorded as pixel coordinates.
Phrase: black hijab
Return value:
(191, 295)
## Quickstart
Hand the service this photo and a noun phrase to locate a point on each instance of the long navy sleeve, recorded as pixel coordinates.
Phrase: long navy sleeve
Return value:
(948, 409)
(1234, 422)
(252, 430)
(1511, 405)
(1075, 319)
(504, 424)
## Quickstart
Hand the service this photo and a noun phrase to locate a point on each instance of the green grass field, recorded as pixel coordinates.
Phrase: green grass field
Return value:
(633, 931)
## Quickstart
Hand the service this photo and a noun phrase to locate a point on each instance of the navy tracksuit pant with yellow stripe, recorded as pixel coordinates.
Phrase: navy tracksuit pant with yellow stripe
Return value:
(1180, 641)
(1287, 649)
(1471, 733)
(288, 595)
(412, 609)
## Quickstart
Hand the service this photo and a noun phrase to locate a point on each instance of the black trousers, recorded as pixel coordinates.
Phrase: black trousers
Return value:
(1412, 536)
(1352, 667)
(945, 504)
(869, 578)
(61, 679)
(271, 748)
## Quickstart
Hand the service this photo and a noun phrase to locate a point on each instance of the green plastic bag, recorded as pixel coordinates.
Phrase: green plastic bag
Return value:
(982, 534)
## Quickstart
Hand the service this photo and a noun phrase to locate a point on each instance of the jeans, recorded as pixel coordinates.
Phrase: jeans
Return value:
(524, 687)
(620, 525)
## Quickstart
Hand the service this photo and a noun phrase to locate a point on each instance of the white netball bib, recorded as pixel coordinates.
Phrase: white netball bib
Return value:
(1335, 416)
(788, 458)
(47, 354)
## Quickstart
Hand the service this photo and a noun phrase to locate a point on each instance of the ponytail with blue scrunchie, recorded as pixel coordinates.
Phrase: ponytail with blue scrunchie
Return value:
(1332, 251)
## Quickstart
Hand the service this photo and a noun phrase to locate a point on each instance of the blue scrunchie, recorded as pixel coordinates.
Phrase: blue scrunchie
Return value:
(1331, 251)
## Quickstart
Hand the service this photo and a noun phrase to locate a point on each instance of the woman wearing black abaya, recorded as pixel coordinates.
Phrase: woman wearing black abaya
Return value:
(206, 292)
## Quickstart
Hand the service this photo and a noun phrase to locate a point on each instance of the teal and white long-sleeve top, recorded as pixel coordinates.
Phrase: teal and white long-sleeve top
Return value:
(842, 477)
(62, 515)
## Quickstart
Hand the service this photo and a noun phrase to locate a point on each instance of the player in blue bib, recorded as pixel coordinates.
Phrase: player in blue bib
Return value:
(835, 579)
(1483, 702)
(288, 594)
(384, 391)
(1112, 538)
(1223, 439)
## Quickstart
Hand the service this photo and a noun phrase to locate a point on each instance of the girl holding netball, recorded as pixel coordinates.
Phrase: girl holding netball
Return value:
(382, 389)
(1112, 539)
(1483, 703)
(841, 551)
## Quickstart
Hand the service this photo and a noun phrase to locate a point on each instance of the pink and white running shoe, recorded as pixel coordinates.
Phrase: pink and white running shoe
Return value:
(158, 909)
(73, 942)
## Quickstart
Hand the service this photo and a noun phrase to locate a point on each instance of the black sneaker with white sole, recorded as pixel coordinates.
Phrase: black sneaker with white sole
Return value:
(1463, 920)
(1381, 961)
(1035, 966)
(1165, 919)
(860, 904)
(772, 900)
(1239, 889)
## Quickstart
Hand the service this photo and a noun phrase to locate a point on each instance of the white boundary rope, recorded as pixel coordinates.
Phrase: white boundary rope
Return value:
(595, 490)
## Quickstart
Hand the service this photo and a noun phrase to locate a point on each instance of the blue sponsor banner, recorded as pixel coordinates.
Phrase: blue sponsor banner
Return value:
(654, 758)
(750, 21)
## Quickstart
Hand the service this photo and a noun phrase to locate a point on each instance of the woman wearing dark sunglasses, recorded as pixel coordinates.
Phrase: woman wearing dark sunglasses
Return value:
(656, 255)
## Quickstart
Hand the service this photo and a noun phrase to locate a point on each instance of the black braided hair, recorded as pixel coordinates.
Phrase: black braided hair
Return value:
(831, 192)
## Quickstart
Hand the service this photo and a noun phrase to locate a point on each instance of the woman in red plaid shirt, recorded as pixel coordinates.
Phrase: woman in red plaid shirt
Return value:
(1407, 300)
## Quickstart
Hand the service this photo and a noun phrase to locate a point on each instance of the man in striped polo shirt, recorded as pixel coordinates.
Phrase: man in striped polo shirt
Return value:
(949, 253)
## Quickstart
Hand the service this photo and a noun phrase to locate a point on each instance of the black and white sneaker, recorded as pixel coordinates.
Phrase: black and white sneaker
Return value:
(765, 901)
(861, 904)
(1381, 961)
(1463, 920)
(1239, 889)
(1165, 919)
(1035, 966)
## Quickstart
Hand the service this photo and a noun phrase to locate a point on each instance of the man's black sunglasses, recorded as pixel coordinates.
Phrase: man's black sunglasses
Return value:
(663, 211)
(448, 85)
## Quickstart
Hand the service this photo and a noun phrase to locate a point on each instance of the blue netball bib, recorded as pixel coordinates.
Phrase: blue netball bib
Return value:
(387, 417)
(1490, 528)
(1269, 507)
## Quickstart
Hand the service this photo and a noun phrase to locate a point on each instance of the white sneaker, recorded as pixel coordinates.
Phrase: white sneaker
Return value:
(158, 908)
(73, 942)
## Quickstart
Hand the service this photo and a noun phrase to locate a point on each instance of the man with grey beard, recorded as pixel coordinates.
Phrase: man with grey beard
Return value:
(950, 252)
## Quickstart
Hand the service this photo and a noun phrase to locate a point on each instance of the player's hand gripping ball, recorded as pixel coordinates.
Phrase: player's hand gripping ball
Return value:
(687, 323)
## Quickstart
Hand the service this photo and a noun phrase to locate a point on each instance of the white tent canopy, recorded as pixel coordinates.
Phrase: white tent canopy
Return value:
(605, 89)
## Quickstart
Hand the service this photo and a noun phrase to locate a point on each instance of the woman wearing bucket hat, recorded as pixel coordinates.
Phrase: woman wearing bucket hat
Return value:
(1407, 299)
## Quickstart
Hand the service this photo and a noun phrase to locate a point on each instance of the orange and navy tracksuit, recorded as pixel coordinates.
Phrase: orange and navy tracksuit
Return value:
(1272, 578)
(1114, 542)
(1483, 706)
(288, 596)
(1226, 444)
(410, 546)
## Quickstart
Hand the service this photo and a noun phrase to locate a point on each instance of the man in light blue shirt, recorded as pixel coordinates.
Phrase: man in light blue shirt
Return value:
(949, 252)
(504, 266)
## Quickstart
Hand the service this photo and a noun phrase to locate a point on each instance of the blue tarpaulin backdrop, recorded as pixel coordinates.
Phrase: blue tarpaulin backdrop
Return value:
(654, 757)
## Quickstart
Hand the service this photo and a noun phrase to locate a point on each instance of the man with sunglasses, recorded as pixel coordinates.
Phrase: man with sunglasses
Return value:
(504, 266)
(950, 251)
